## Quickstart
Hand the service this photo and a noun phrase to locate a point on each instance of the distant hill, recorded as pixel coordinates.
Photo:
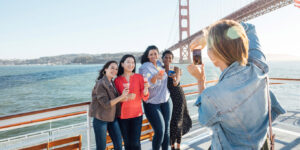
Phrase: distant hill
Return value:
(71, 59)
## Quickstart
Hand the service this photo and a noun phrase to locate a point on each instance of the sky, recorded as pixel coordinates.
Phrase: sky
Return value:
(34, 28)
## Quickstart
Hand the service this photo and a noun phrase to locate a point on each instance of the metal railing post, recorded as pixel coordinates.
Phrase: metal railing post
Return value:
(88, 128)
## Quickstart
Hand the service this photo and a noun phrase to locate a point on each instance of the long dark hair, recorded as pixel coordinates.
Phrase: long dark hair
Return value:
(102, 71)
(167, 52)
(121, 69)
(144, 57)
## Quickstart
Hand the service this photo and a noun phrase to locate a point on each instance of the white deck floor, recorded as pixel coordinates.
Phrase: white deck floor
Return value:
(286, 129)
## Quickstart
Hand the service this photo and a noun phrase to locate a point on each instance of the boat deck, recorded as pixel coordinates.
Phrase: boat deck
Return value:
(286, 129)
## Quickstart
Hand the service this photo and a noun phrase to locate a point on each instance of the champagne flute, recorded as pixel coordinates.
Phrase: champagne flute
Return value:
(145, 76)
(161, 71)
(126, 86)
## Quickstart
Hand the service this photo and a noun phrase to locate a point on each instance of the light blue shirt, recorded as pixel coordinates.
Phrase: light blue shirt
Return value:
(236, 108)
(158, 92)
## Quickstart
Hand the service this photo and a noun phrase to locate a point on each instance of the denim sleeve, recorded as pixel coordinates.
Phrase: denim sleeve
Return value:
(207, 111)
(276, 108)
(255, 51)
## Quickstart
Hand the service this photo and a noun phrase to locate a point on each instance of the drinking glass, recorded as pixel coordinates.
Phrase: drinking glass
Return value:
(126, 86)
(145, 78)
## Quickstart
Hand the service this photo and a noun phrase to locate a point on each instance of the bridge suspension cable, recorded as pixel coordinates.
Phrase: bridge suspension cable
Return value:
(250, 11)
(172, 24)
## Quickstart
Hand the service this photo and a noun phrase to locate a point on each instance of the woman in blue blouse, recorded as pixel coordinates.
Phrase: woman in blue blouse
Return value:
(158, 108)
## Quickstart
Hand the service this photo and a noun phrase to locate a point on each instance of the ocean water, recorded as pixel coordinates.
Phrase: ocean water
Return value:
(28, 88)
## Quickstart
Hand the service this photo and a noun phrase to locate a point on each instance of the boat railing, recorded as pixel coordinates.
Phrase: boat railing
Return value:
(32, 128)
(12, 125)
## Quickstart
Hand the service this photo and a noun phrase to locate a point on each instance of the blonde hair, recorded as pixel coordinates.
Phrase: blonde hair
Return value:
(227, 39)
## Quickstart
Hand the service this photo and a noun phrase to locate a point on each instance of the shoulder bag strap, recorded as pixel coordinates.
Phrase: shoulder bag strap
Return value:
(272, 136)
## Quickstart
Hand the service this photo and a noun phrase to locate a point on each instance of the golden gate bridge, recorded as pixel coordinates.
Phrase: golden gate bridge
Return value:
(252, 10)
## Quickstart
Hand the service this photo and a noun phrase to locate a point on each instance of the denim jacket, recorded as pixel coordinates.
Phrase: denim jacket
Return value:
(236, 108)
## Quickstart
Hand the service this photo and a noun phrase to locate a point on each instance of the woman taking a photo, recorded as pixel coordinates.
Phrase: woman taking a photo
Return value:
(105, 99)
(236, 108)
(131, 116)
(158, 108)
(181, 121)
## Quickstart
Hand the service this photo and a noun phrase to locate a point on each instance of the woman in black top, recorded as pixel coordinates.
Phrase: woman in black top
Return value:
(181, 121)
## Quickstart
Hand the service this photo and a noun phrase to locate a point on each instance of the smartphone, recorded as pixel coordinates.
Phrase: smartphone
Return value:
(197, 58)
(171, 70)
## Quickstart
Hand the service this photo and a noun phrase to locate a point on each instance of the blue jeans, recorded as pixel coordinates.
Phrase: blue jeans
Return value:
(131, 132)
(159, 116)
(100, 128)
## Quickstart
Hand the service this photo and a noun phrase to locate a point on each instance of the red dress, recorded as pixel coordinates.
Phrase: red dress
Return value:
(132, 108)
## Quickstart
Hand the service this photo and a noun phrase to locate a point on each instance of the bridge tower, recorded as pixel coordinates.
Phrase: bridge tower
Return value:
(184, 30)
